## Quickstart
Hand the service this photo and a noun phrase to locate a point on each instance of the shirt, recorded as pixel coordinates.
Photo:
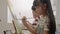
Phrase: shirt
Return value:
(43, 24)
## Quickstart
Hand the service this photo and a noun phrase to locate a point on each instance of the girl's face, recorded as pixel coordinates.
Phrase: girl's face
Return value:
(37, 12)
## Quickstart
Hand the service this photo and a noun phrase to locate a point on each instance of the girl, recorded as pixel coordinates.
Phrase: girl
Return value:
(43, 11)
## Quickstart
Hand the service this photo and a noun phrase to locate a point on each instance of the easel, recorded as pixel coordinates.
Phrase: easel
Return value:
(11, 9)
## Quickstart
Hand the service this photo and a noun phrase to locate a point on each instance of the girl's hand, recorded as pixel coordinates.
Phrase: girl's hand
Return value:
(23, 19)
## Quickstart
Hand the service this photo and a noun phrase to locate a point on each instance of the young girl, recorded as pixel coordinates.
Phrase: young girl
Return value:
(43, 14)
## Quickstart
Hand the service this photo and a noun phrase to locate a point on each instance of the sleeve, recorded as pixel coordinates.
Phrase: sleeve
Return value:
(46, 24)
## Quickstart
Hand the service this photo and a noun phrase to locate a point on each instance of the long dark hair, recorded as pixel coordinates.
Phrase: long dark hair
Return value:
(52, 23)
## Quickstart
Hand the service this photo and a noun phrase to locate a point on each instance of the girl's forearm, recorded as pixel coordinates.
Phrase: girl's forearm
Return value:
(30, 27)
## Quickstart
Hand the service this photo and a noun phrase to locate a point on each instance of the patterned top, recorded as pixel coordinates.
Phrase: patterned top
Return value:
(43, 24)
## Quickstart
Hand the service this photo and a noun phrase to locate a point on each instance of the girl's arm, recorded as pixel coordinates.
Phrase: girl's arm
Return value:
(28, 25)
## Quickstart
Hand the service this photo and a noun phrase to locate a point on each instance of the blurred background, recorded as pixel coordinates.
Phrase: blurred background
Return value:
(10, 9)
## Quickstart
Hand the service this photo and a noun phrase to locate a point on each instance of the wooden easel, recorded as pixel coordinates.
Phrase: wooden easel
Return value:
(15, 27)
(11, 9)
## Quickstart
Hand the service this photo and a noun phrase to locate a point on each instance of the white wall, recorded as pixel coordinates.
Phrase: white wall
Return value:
(58, 11)
(3, 16)
(58, 15)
